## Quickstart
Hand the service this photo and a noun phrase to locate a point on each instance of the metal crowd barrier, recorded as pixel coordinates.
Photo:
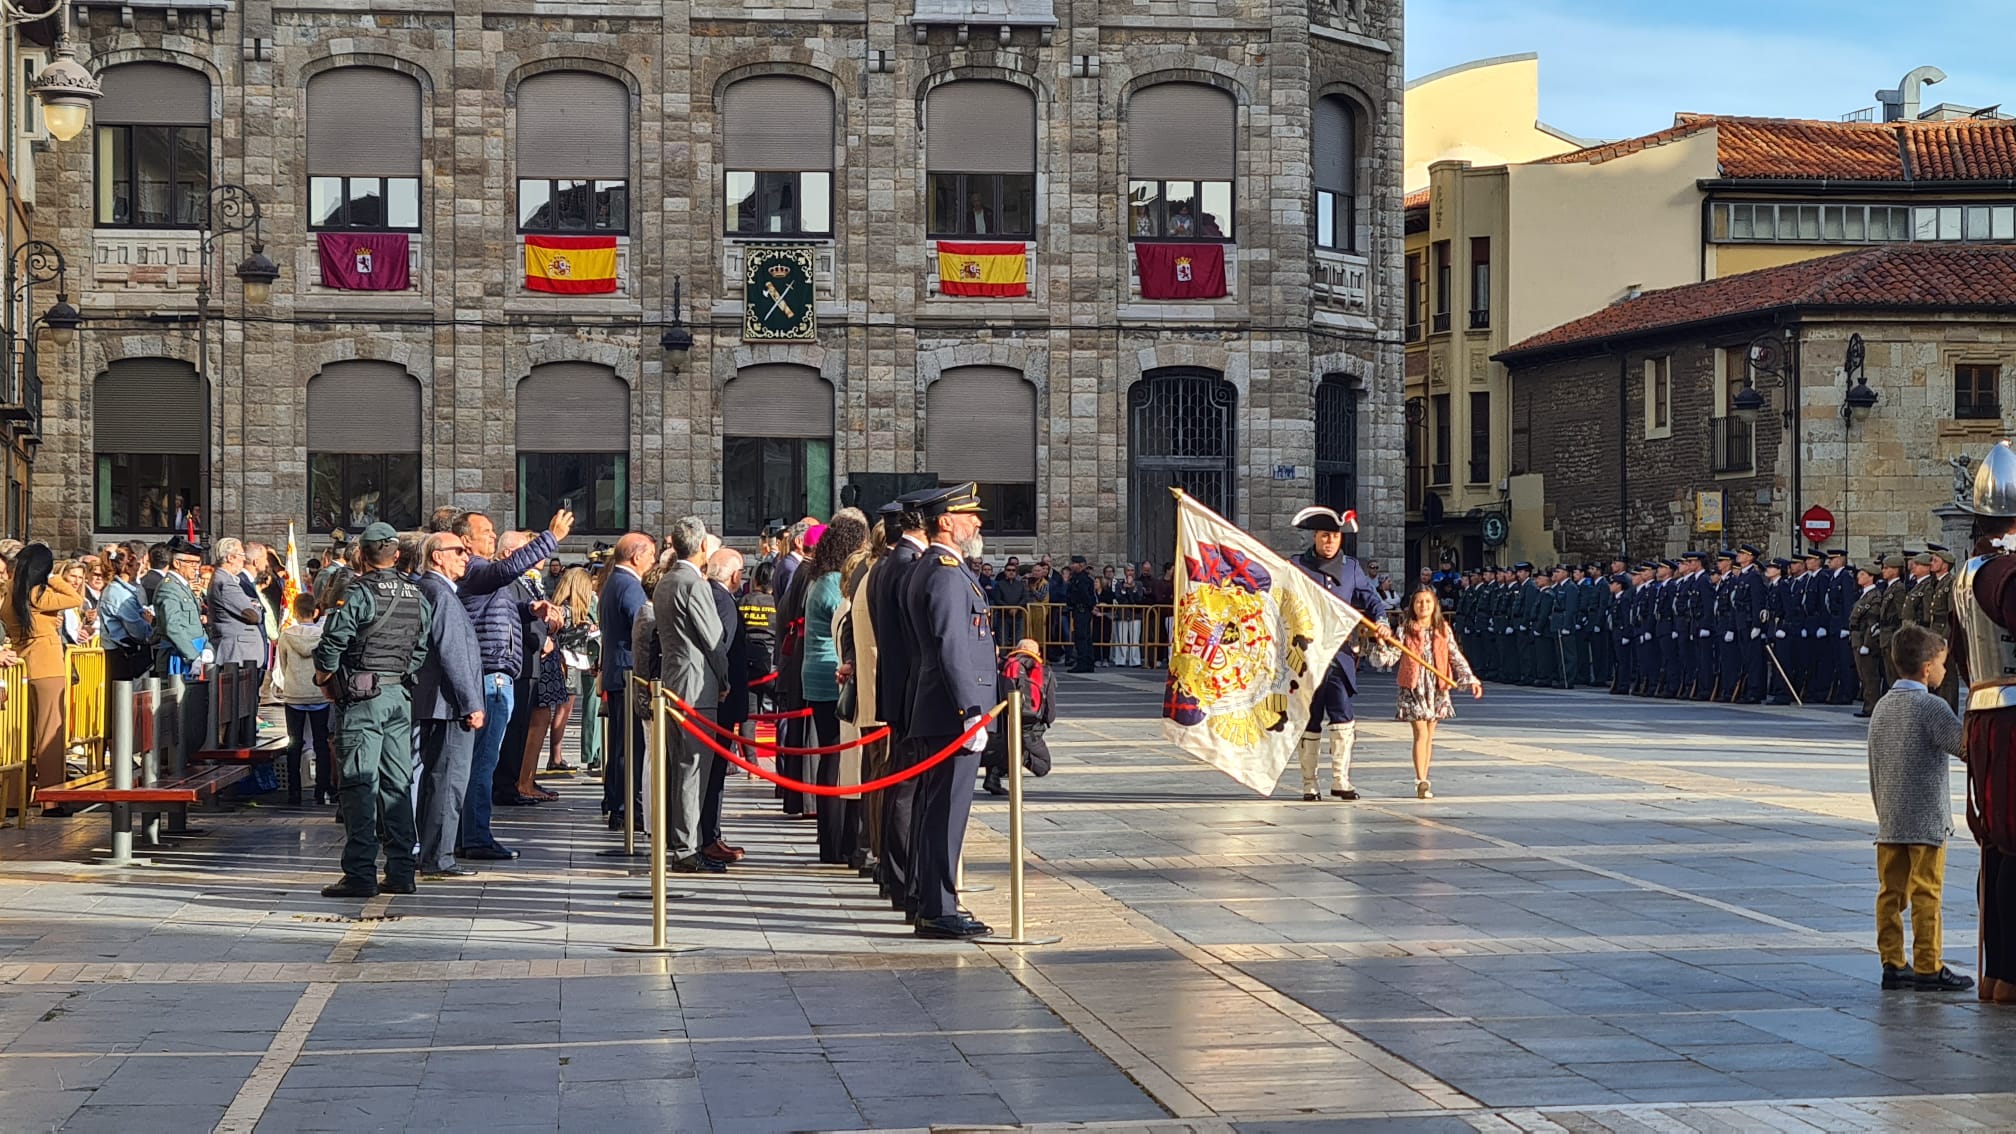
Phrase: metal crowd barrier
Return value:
(84, 713)
(1125, 635)
(14, 741)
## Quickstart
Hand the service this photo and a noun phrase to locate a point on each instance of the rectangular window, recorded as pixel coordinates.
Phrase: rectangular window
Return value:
(765, 478)
(1179, 210)
(1011, 508)
(1658, 398)
(1977, 392)
(1480, 282)
(146, 492)
(1480, 437)
(1439, 472)
(2002, 223)
(1442, 288)
(153, 176)
(1734, 440)
(1852, 227)
(595, 208)
(983, 204)
(1417, 300)
(1977, 222)
(763, 203)
(387, 204)
(350, 490)
(1336, 221)
(595, 485)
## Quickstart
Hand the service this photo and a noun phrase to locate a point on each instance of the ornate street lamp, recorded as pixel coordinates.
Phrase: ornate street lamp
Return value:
(1860, 399)
(231, 209)
(40, 262)
(677, 340)
(66, 90)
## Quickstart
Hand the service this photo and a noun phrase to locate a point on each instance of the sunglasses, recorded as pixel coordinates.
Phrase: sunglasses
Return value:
(454, 550)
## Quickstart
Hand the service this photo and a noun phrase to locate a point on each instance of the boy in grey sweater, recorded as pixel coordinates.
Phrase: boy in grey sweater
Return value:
(1911, 734)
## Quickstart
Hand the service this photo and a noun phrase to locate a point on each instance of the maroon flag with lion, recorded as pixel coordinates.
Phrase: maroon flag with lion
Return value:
(364, 261)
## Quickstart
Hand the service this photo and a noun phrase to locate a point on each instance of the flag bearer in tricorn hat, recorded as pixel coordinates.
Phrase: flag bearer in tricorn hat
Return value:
(1341, 575)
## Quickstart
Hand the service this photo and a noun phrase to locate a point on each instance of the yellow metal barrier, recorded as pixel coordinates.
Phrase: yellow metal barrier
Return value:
(84, 736)
(1129, 636)
(14, 734)
(1011, 625)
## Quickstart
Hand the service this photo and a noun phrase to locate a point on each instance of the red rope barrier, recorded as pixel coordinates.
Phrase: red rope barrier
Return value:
(890, 780)
(763, 680)
(774, 749)
(791, 716)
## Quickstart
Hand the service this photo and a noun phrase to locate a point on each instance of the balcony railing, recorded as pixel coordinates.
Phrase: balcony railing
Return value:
(1480, 320)
(1733, 439)
(1417, 486)
(1441, 322)
(1438, 474)
(1413, 332)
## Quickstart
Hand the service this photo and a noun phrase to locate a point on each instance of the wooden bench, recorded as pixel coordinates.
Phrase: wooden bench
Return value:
(198, 784)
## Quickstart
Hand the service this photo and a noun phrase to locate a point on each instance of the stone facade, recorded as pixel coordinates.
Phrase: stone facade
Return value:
(1882, 475)
(468, 332)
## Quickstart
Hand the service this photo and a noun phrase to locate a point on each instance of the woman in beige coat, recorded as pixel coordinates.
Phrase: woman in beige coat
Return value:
(859, 656)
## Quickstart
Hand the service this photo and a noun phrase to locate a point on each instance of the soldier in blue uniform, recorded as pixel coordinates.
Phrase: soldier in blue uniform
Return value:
(1330, 712)
(1686, 622)
(1617, 631)
(1728, 626)
(1563, 607)
(1779, 598)
(1751, 617)
(892, 689)
(949, 632)
(1666, 628)
(1846, 686)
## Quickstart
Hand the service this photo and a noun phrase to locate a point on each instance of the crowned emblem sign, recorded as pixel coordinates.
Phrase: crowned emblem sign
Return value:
(778, 301)
(559, 268)
(1183, 273)
(362, 254)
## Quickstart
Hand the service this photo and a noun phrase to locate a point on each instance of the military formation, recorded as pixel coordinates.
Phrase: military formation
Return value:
(1732, 626)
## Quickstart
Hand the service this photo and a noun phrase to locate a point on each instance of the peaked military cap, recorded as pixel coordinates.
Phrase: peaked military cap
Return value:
(1840, 551)
(1922, 559)
(1812, 554)
(1317, 518)
(1896, 561)
(1755, 551)
(1725, 553)
(1781, 563)
(963, 497)
(1671, 564)
(1522, 566)
(380, 532)
(1696, 556)
(179, 545)
(1949, 557)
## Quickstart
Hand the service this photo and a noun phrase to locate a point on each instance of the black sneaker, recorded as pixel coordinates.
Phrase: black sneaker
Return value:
(350, 888)
(1898, 977)
(1945, 980)
(391, 886)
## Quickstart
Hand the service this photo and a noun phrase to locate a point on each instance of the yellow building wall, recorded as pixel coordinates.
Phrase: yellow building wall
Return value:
(1485, 113)
(1735, 259)
(1581, 234)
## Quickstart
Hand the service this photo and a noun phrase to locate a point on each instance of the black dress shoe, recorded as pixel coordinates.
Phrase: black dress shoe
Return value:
(1898, 977)
(1945, 980)
(57, 812)
(349, 888)
(388, 886)
(698, 864)
(993, 785)
(488, 854)
(452, 871)
(953, 928)
(522, 801)
(1310, 797)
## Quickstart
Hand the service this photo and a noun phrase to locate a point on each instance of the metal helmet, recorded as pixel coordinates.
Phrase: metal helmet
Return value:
(1995, 483)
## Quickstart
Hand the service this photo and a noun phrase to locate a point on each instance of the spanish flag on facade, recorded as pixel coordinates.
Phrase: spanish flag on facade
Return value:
(570, 265)
(982, 269)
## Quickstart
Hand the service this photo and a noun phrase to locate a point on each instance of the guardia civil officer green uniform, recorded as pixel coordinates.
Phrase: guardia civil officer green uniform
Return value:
(381, 629)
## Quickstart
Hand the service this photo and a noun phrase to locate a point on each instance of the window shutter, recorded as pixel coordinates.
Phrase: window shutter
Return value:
(780, 123)
(573, 407)
(1335, 145)
(574, 124)
(363, 407)
(150, 405)
(980, 425)
(978, 126)
(1181, 131)
(777, 400)
(152, 94)
(363, 122)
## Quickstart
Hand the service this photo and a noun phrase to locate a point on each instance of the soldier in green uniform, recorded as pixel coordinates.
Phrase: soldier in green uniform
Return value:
(1938, 607)
(1890, 615)
(371, 646)
(1865, 637)
(1913, 603)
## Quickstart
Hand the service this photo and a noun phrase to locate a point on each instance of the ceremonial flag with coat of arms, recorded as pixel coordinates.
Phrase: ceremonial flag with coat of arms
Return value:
(1253, 636)
(1181, 271)
(570, 265)
(364, 261)
(290, 587)
(982, 269)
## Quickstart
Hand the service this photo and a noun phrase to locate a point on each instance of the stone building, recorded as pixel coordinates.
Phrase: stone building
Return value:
(1633, 418)
(857, 134)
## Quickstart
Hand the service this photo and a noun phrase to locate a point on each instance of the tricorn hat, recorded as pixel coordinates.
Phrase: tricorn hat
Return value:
(1321, 519)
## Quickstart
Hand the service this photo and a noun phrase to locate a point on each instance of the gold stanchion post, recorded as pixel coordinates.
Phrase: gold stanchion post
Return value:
(1018, 929)
(660, 722)
(629, 774)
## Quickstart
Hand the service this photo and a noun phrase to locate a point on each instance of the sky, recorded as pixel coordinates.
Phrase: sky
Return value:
(1621, 68)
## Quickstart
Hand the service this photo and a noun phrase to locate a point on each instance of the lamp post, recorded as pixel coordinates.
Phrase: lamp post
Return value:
(65, 89)
(29, 263)
(1777, 356)
(230, 209)
(677, 340)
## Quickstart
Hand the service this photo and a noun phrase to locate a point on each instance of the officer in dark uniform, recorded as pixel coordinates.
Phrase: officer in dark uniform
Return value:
(1779, 597)
(1729, 627)
(1845, 591)
(1666, 628)
(1792, 648)
(371, 646)
(1686, 617)
(1748, 602)
(894, 666)
(1817, 652)
(1527, 621)
(1591, 641)
(1617, 629)
(1644, 624)
(949, 630)
(1563, 607)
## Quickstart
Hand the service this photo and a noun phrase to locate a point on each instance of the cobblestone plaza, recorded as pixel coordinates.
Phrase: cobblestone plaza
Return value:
(1616, 916)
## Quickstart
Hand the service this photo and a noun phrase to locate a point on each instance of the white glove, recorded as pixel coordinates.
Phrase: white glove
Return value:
(1755, 633)
(1703, 633)
(207, 657)
(1781, 634)
(1864, 651)
(1644, 637)
(1844, 633)
(1676, 635)
(978, 743)
(1728, 635)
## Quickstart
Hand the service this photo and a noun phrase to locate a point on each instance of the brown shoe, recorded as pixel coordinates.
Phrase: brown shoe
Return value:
(721, 852)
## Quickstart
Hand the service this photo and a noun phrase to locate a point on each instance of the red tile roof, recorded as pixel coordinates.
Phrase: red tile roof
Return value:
(1906, 276)
(1966, 149)
(1418, 199)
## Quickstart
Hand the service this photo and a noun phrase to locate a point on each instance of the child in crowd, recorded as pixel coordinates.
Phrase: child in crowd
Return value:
(1911, 734)
(307, 706)
(1025, 670)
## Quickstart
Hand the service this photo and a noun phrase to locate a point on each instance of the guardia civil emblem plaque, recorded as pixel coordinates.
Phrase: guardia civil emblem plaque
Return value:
(778, 302)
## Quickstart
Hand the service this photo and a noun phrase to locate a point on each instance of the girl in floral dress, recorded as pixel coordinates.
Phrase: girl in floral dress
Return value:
(1423, 699)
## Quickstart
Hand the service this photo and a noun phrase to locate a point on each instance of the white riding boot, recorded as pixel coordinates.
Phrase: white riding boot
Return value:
(1311, 752)
(1342, 737)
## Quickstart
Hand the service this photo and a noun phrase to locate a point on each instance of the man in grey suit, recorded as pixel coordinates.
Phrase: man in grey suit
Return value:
(237, 620)
(692, 665)
(447, 706)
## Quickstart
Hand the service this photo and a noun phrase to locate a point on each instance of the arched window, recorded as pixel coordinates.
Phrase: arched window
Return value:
(999, 455)
(153, 146)
(1180, 435)
(1182, 146)
(574, 446)
(1334, 158)
(777, 156)
(776, 446)
(150, 425)
(573, 151)
(980, 159)
(363, 446)
(364, 150)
